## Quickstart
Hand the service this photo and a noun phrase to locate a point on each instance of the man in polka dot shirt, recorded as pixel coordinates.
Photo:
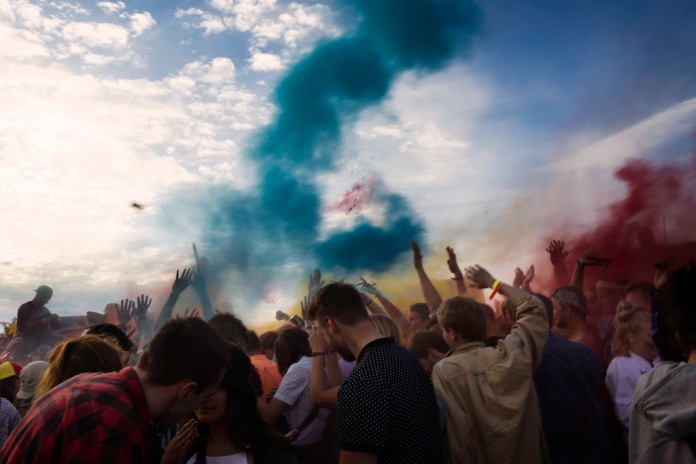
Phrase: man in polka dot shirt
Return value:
(387, 412)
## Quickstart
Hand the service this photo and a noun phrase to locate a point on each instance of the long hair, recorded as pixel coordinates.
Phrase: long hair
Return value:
(628, 320)
(292, 344)
(87, 353)
(387, 327)
(245, 427)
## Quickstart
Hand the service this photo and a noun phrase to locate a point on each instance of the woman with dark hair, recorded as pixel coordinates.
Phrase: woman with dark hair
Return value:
(307, 423)
(230, 427)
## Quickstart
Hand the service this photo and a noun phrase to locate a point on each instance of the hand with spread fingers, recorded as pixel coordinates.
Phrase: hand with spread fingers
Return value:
(479, 276)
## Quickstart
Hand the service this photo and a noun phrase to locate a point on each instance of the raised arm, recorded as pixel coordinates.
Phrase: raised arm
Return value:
(142, 323)
(392, 311)
(180, 283)
(457, 275)
(531, 327)
(588, 259)
(322, 393)
(557, 256)
(430, 293)
(200, 284)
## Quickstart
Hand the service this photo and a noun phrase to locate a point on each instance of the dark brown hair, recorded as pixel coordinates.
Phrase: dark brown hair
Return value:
(465, 316)
(421, 341)
(340, 302)
(185, 349)
(291, 345)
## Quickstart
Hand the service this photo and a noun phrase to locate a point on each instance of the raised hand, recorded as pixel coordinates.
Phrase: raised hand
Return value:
(315, 283)
(519, 278)
(556, 253)
(125, 311)
(528, 277)
(479, 276)
(192, 312)
(593, 259)
(317, 340)
(199, 279)
(281, 316)
(417, 256)
(181, 282)
(453, 265)
(368, 288)
(142, 304)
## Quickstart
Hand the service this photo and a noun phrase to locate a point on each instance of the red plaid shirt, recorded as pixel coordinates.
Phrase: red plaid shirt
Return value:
(91, 418)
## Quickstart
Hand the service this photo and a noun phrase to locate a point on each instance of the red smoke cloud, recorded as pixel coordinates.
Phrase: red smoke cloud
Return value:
(655, 218)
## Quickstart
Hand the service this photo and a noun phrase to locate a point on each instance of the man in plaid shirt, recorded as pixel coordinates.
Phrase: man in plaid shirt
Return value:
(107, 418)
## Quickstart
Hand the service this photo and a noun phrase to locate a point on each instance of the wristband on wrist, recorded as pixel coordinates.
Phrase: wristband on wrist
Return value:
(495, 287)
(458, 278)
(317, 353)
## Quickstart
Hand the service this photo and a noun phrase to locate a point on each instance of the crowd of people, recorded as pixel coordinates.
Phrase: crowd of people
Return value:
(587, 372)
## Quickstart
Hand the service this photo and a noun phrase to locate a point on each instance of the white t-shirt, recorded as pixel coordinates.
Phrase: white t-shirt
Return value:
(294, 391)
(622, 375)
(237, 458)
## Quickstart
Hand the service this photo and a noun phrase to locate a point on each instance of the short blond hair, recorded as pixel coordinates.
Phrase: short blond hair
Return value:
(387, 327)
(463, 315)
(628, 320)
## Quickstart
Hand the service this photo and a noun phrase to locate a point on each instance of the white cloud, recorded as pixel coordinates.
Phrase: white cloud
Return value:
(70, 7)
(111, 7)
(140, 22)
(260, 61)
(97, 35)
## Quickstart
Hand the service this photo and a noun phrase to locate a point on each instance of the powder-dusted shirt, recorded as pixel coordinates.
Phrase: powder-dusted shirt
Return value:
(91, 418)
(387, 406)
(492, 409)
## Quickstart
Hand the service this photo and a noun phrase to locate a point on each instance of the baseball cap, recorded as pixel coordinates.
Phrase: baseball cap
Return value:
(29, 378)
(9, 369)
(44, 289)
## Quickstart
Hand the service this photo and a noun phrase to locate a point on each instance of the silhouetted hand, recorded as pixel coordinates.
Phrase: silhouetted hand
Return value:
(369, 288)
(125, 311)
(417, 257)
(142, 304)
(315, 283)
(519, 278)
(593, 259)
(479, 276)
(528, 277)
(556, 253)
(181, 282)
(453, 265)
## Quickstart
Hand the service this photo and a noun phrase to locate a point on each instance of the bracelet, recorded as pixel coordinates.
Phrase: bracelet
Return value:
(317, 353)
(330, 352)
(458, 278)
(495, 287)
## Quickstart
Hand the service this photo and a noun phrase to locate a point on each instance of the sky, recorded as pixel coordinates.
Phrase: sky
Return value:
(280, 136)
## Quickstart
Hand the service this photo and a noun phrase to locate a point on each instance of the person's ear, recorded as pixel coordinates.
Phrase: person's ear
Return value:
(434, 355)
(187, 390)
(331, 325)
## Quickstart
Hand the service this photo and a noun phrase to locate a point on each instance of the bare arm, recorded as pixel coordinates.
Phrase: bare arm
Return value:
(588, 259)
(319, 391)
(457, 275)
(393, 312)
(180, 283)
(200, 284)
(271, 411)
(430, 293)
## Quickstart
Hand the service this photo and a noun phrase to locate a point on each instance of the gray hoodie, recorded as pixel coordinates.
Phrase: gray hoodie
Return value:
(664, 415)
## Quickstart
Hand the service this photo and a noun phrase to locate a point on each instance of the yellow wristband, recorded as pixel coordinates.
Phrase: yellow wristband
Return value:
(495, 287)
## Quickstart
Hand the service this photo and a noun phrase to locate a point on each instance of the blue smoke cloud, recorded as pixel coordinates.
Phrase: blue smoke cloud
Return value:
(318, 98)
